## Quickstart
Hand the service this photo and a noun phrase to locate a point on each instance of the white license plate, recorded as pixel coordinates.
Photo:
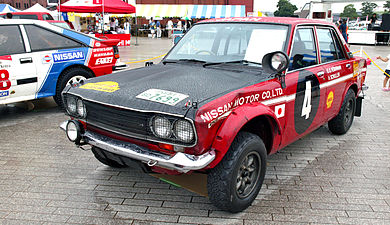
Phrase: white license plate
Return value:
(162, 96)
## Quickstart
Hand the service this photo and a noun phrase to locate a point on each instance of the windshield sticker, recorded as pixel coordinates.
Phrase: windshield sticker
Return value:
(162, 96)
(260, 44)
(106, 86)
(68, 56)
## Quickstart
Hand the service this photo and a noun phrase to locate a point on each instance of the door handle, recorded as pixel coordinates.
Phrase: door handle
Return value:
(348, 65)
(25, 60)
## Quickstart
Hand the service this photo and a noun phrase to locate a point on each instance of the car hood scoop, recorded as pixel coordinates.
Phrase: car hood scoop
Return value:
(200, 84)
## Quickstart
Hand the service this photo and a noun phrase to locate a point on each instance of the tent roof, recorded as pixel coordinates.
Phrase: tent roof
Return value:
(5, 8)
(94, 6)
(37, 8)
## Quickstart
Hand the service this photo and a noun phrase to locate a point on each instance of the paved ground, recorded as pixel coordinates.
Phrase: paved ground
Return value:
(320, 179)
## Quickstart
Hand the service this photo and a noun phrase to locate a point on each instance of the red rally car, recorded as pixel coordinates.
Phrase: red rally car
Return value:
(229, 93)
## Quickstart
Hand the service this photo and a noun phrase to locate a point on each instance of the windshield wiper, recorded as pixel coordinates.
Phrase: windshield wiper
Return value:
(242, 61)
(183, 60)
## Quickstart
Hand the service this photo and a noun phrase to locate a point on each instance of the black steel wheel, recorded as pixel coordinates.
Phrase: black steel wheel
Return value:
(235, 182)
(343, 121)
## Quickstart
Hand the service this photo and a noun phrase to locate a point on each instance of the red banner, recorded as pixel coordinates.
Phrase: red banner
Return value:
(124, 38)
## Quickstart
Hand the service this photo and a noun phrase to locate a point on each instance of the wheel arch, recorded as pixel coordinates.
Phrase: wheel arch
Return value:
(73, 66)
(257, 119)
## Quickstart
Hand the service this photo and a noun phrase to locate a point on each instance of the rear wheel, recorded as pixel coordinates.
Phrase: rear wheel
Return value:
(70, 77)
(235, 182)
(343, 121)
(103, 157)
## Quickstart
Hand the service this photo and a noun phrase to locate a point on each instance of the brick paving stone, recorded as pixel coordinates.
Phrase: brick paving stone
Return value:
(149, 217)
(209, 220)
(321, 178)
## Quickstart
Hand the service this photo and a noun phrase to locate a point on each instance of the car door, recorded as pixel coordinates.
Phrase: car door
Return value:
(337, 69)
(18, 79)
(52, 52)
(303, 80)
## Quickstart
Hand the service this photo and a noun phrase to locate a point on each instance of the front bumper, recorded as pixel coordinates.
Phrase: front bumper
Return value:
(180, 161)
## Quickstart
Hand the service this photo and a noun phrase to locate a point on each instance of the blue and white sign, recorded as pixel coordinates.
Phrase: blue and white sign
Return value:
(4, 93)
(68, 56)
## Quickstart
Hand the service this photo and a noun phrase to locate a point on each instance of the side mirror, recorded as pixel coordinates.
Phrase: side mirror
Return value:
(350, 55)
(275, 62)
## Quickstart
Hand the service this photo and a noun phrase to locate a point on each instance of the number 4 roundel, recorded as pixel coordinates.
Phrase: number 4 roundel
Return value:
(307, 100)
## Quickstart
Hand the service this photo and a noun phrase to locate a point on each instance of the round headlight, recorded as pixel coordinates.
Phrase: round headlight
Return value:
(71, 105)
(184, 131)
(81, 108)
(161, 127)
(73, 131)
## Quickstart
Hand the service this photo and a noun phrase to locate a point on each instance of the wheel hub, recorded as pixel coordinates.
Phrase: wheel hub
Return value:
(248, 174)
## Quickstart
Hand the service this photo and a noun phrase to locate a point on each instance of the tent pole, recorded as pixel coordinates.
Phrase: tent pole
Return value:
(136, 30)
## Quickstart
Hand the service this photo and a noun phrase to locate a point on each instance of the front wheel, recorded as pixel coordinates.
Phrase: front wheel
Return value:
(70, 77)
(343, 121)
(235, 182)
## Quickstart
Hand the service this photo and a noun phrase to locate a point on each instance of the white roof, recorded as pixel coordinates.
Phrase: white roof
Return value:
(37, 8)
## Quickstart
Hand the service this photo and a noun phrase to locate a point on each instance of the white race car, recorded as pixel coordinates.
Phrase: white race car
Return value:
(38, 59)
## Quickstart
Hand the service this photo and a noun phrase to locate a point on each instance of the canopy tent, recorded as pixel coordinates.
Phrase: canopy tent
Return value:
(155, 10)
(215, 11)
(37, 8)
(191, 11)
(97, 6)
(5, 8)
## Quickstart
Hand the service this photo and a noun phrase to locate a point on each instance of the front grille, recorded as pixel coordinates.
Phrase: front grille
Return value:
(122, 121)
(127, 122)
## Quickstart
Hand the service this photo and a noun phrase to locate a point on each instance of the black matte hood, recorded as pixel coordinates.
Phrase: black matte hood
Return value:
(200, 84)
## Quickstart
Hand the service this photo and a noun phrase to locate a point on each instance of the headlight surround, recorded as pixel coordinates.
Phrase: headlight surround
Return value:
(71, 105)
(81, 110)
(161, 127)
(184, 131)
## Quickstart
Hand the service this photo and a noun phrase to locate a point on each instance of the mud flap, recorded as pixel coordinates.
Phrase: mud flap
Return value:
(358, 109)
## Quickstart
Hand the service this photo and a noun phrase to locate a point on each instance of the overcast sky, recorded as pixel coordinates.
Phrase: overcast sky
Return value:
(270, 5)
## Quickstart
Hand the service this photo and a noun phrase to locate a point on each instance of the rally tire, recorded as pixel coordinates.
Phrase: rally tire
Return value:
(224, 179)
(102, 156)
(343, 121)
(66, 77)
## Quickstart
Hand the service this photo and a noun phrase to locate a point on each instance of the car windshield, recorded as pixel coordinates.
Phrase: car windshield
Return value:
(230, 42)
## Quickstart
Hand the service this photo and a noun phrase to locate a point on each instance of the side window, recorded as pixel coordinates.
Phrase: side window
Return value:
(303, 52)
(47, 17)
(328, 49)
(11, 41)
(42, 39)
(339, 51)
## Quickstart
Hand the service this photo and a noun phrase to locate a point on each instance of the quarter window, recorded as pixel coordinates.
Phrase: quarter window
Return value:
(42, 39)
(11, 41)
(303, 52)
(329, 51)
(47, 17)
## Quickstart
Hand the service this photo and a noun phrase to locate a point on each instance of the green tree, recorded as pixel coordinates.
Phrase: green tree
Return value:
(285, 9)
(387, 6)
(368, 8)
(349, 12)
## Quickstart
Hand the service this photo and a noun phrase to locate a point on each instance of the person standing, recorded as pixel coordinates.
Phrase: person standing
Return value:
(373, 19)
(387, 72)
(158, 28)
(343, 29)
(127, 27)
(152, 27)
(179, 25)
(170, 28)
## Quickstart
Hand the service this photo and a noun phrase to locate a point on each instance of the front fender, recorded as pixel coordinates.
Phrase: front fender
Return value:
(236, 121)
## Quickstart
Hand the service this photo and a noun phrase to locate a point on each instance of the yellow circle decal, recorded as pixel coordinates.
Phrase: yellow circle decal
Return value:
(329, 101)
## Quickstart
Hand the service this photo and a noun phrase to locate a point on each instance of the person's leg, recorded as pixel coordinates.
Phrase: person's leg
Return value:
(385, 82)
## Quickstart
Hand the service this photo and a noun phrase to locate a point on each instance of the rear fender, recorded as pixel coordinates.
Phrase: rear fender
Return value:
(236, 121)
